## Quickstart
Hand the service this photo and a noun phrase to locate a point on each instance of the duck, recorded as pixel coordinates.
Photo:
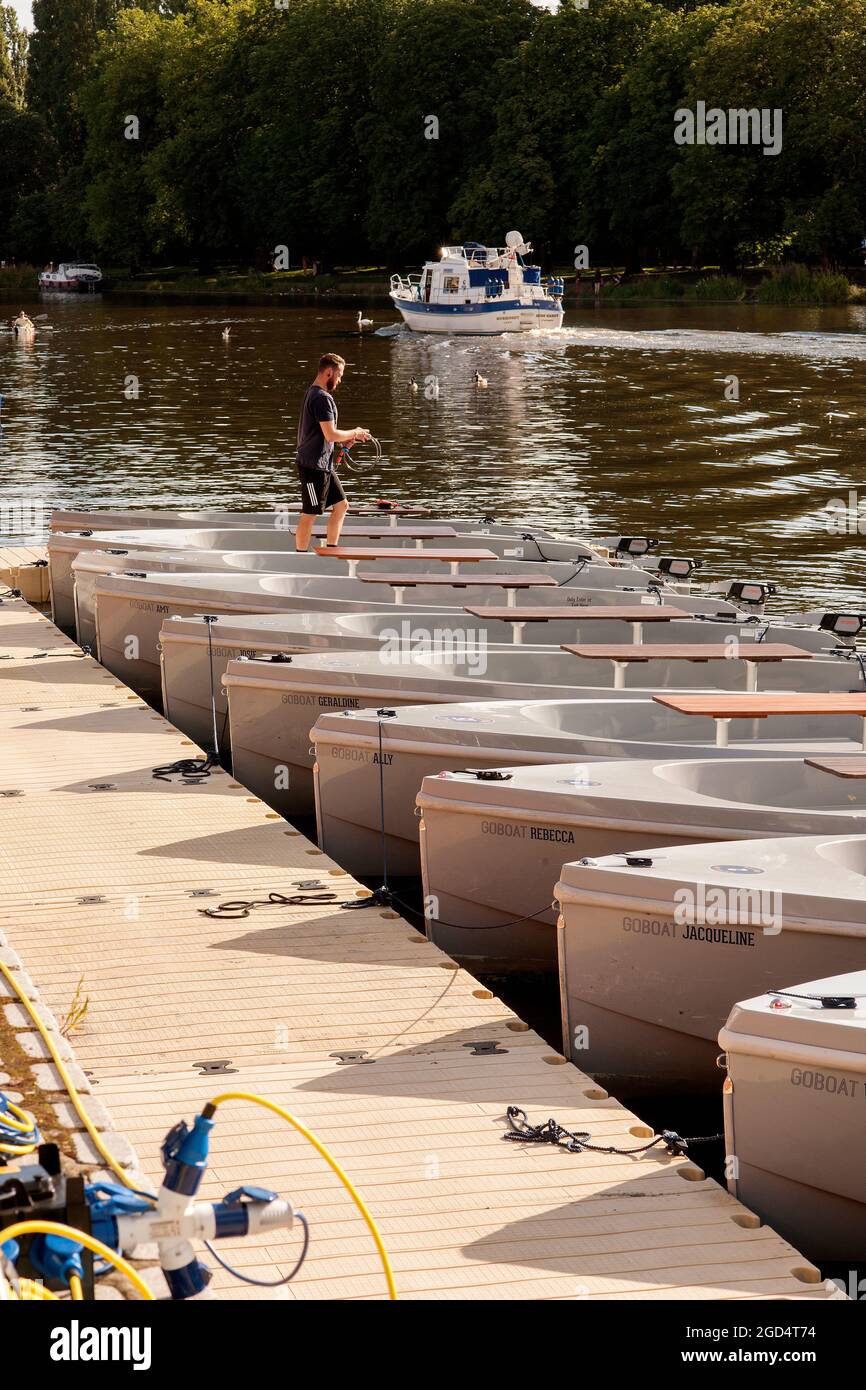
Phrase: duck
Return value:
(363, 323)
(413, 385)
(480, 381)
(226, 334)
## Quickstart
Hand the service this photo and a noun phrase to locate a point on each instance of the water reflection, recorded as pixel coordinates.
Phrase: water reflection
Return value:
(622, 412)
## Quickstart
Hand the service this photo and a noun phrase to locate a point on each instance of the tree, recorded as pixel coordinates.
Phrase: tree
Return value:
(27, 164)
(631, 129)
(302, 173)
(806, 60)
(126, 198)
(13, 57)
(440, 63)
(548, 142)
(62, 47)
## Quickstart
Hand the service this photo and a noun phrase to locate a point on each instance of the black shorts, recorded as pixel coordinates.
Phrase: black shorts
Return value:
(319, 491)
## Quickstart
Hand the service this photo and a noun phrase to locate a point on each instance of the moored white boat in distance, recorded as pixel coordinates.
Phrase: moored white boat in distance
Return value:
(71, 276)
(479, 289)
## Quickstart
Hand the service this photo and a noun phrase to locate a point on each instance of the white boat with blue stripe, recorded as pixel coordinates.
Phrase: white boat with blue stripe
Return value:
(479, 289)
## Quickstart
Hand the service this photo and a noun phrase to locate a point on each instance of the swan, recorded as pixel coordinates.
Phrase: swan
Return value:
(363, 323)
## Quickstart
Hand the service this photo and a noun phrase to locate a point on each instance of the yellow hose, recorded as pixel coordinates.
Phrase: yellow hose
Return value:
(115, 1167)
(14, 1117)
(75, 1290)
(57, 1228)
(59, 1063)
(332, 1163)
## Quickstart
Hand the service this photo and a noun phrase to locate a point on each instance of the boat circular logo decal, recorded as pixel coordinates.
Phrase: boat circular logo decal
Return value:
(735, 869)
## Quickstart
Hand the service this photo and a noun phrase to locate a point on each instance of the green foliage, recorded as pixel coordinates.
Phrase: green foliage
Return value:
(796, 284)
(446, 60)
(650, 287)
(717, 289)
(807, 60)
(306, 127)
(18, 277)
(13, 57)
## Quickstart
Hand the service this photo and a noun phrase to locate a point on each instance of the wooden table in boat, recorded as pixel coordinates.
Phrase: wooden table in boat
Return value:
(379, 531)
(724, 707)
(509, 582)
(635, 613)
(354, 553)
(839, 767)
(621, 654)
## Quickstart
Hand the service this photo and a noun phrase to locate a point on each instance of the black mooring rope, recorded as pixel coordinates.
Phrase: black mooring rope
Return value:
(576, 1141)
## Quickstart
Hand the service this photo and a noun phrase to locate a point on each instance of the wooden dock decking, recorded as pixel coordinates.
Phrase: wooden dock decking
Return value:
(417, 1122)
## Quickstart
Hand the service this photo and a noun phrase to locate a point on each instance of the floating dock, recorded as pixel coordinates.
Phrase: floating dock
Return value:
(398, 1059)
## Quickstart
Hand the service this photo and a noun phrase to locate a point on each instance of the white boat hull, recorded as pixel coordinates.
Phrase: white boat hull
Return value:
(794, 1090)
(478, 320)
(423, 740)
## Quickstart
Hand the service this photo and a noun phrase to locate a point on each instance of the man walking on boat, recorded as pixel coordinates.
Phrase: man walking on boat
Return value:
(321, 489)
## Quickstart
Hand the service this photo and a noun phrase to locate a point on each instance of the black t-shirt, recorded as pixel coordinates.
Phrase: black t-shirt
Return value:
(314, 450)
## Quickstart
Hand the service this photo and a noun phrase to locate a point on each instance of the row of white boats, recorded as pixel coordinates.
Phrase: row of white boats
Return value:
(597, 766)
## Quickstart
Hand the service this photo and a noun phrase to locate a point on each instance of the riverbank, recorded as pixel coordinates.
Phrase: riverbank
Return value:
(788, 285)
(783, 285)
(362, 282)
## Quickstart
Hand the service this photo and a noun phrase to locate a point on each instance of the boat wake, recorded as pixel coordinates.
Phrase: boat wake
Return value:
(820, 346)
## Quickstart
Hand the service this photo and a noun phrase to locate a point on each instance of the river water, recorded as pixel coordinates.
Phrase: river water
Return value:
(619, 421)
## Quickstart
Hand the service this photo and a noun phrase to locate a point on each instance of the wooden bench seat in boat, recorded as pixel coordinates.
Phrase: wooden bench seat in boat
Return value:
(622, 654)
(635, 613)
(375, 530)
(354, 553)
(509, 582)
